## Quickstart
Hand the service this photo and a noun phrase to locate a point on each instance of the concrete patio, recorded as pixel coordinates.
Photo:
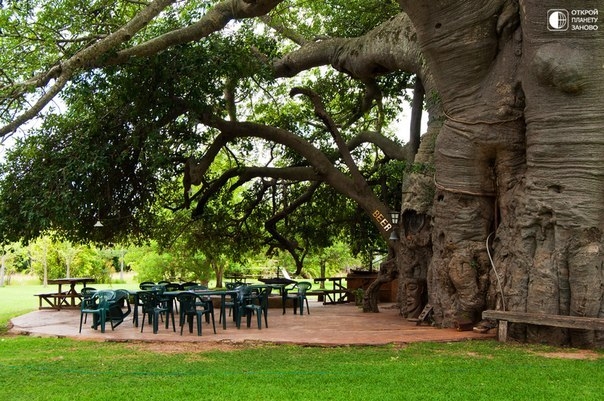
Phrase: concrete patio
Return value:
(326, 325)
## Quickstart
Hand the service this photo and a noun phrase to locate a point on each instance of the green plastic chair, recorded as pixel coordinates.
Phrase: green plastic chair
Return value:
(202, 301)
(253, 301)
(190, 308)
(98, 307)
(87, 301)
(297, 293)
(117, 313)
(154, 307)
(230, 304)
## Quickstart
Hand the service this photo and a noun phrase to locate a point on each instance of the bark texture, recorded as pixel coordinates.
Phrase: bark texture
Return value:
(519, 158)
(552, 250)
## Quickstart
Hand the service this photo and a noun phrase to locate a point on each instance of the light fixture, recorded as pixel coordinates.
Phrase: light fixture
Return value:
(394, 215)
(98, 222)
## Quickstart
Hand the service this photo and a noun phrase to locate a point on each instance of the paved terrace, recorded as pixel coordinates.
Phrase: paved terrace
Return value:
(327, 325)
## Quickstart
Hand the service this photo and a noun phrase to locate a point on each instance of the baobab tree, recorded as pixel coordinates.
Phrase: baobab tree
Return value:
(510, 213)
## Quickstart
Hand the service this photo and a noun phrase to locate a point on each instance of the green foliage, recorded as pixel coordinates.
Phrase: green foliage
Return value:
(324, 261)
(151, 263)
(113, 147)
(337, 18)
(85, 261)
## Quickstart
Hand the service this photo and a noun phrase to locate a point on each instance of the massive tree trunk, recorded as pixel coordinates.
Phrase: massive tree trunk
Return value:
(519, 158)
(552, 251)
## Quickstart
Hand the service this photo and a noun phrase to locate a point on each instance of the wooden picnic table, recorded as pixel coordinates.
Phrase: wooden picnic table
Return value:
(69, 299)
(339, 294)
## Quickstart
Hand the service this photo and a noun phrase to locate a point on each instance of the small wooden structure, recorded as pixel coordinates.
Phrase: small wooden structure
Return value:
(541, 319)
(60, 299)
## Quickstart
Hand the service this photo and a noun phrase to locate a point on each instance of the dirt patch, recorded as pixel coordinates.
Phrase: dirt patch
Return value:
(578, 354)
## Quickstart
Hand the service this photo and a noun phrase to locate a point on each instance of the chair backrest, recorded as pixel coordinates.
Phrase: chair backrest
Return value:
(121, 297)
(264, 294)
(243, 292)
(188, 285)
(145, 285)
(149, 300)
(248, 293)
(187, 302)
(87, 292)
(173, 287)
(157, 289)
(234, 285)
(103, 298)
(303, 286)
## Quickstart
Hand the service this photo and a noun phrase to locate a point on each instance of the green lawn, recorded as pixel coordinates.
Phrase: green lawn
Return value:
(66, 369)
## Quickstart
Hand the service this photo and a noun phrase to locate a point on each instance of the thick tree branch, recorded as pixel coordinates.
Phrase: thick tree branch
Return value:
(322, 165)
(390, 148)
(97, 55)
(335, 133)
(417, 107)
(245, 174)
(213, 21)
(63, 72)
(389, 47)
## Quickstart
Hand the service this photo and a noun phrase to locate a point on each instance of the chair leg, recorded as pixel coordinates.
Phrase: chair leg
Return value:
(259, 314)
(213, 322)
(307, 307)
(103, 318)
(190, 321)
(81, 319)
(155, 322)
(237, 316)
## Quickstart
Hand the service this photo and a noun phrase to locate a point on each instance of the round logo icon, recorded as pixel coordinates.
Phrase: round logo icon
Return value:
(557, 20)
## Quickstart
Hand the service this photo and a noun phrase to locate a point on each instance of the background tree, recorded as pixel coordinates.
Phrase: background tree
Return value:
(515, 133)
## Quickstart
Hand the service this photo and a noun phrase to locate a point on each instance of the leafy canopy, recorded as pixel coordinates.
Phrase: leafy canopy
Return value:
(114, 145)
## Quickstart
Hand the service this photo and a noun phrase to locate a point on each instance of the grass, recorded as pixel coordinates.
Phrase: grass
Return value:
(65, 369)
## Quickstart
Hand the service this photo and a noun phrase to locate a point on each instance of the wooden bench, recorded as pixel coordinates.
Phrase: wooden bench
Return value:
(541, 319)
(330, 296)
(59, 300)
(337, 295)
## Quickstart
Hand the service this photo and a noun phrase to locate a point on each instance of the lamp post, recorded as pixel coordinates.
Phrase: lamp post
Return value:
(394, 216)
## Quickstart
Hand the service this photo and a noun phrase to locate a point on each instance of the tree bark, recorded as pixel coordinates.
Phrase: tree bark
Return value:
(520, 155)
(551, 251)
(388, 272)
